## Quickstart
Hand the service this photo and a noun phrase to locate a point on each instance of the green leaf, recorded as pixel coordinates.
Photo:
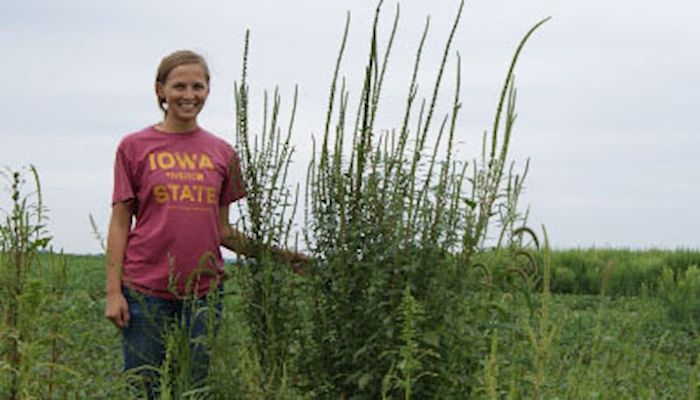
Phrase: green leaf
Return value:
(364, 380)
(471, 203)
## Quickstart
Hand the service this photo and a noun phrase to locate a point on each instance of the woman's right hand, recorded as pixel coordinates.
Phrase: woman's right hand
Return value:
(117, 310)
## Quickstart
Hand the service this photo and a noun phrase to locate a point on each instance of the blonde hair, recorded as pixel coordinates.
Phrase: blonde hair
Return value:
(175, 59)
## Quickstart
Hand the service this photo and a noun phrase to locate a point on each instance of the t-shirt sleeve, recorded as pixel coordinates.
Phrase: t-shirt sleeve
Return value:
(123, 178)
(233, 185)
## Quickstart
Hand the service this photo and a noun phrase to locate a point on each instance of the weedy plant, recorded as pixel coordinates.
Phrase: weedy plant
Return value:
(386, 217)
(272, 306)
(30, 346)
(386, 225)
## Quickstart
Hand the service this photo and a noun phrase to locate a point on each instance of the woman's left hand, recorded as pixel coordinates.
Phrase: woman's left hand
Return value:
(298, 261)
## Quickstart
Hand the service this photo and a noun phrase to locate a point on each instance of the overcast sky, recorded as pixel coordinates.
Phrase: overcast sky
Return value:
(607, 95)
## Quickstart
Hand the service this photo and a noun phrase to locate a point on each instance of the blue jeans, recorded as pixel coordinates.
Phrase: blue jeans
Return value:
(158, 327)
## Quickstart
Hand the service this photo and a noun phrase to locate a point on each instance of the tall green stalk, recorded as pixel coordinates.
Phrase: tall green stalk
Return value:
(22, 235)
(267, 219)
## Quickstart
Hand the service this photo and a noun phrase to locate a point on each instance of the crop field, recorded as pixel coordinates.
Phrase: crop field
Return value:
(557, 345)
(426, 280)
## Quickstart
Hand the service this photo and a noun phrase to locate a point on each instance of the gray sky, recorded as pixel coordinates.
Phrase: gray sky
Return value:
(606, 96)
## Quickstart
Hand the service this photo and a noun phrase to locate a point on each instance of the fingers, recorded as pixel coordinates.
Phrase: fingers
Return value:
(298, 269)
(300, 258)
(116, 319)
(125, 316)
(117, 311)
(298, 261)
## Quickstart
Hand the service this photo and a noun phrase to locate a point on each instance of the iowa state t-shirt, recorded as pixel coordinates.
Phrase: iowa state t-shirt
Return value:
(178, 181)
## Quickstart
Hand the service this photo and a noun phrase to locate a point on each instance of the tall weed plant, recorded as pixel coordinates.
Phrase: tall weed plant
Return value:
(32, 296)
(389, 224)
(270, 290)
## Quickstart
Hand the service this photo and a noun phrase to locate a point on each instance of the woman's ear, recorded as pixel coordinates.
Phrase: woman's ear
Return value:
(160, 92)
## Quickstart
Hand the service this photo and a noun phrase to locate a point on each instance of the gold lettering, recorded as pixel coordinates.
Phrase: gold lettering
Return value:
(205, 162)
(184, 160)
(186, 193)
(174, 189)
(182, 176)
(161, 193)
(199, 189)
(211, 194)
(166, 160)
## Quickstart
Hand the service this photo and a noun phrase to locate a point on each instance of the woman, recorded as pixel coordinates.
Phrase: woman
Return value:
(176, 181)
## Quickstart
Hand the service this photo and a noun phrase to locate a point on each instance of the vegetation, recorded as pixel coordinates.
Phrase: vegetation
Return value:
(404, 299)
(600, 346)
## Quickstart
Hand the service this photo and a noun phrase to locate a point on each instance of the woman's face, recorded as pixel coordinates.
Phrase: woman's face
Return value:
(185, 91)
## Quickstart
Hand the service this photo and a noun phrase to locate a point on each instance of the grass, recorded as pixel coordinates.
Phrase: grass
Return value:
(621, 347)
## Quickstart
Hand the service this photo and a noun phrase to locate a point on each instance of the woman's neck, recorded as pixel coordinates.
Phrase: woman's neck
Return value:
(170, 126)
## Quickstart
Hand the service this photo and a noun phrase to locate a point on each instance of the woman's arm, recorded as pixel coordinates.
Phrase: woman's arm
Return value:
(238, 242)
(117, 310)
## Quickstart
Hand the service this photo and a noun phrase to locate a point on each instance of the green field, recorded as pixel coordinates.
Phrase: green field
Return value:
(573, 346)
(425, 282)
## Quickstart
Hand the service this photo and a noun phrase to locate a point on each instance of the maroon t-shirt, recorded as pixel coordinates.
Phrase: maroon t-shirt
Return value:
(179, 182)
